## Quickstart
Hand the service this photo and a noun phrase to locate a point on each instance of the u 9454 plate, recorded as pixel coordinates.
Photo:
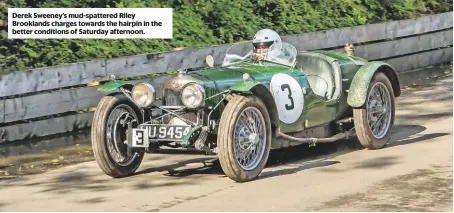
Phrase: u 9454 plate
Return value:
(158, 132)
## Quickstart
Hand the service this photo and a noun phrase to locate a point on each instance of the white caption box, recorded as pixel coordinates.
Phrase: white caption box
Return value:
(90, 23)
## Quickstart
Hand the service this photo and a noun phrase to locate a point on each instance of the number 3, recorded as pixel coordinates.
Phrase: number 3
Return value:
(139, 135)
(292, 106)
(288, 96)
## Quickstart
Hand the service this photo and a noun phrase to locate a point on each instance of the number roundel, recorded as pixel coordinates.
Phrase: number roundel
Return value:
(288, 96)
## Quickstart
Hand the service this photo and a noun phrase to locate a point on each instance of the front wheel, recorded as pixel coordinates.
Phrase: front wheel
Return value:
(374, 121)
(113, 116)
(244, 138)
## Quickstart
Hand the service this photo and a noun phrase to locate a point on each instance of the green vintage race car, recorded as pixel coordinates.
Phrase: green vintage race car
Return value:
(242, 109)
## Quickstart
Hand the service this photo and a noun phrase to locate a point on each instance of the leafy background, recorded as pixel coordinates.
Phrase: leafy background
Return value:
(202, 23)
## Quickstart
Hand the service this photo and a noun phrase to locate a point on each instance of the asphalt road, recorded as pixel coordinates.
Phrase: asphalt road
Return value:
(413, 173)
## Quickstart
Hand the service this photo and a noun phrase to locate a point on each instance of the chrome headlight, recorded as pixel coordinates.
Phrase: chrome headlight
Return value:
(192, 95)
(143, 94)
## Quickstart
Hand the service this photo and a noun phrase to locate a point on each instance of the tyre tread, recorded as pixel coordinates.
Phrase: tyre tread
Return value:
(225, 143)
(99, 147)
(363, 132)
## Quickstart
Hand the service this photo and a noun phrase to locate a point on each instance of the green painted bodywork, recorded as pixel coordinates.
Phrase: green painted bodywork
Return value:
(191, 136)
(342, 57)
(112, 85)
(317, 111)
(244, 86)
(360, 84)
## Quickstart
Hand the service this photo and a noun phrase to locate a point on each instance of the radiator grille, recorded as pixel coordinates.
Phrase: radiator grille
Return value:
(191, 116)
(172, 98)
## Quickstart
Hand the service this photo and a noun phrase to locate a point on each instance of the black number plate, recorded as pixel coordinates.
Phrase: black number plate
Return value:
(167, 132)
(158, 132)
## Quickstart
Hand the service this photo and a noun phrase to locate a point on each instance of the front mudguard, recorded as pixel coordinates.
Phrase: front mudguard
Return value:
(125, 89)
(114, 85)
(252, 87)
(244, 87)
(357, 93)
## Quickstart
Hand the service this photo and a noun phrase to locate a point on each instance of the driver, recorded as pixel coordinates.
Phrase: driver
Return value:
(266, 41)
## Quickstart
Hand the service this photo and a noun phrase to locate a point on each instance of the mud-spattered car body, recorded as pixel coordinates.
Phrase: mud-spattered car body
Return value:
(245, 107)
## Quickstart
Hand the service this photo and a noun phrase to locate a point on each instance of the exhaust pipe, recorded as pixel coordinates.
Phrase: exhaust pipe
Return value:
(313, 141)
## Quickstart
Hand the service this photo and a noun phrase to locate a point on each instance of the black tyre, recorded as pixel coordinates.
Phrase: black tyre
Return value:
(374, 121)
(109, 132)
(244, 138)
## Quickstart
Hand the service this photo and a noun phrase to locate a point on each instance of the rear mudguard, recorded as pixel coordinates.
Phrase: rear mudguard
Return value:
(359, 87)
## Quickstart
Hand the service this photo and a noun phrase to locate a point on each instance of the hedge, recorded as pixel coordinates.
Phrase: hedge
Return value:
(201, 23)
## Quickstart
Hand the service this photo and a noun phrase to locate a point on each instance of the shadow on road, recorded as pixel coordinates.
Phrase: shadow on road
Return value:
(304, 166)
(425, 116)
(172, 169)
(281, 162)
(179, 151)
(93, 200)
(408, 134)
(303, 157)
(377, 163)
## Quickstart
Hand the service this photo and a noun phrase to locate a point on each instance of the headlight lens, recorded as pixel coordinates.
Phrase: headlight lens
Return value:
(143, 94)
(193, 95)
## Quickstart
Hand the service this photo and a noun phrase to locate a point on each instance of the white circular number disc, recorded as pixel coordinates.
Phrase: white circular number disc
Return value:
(288, 96)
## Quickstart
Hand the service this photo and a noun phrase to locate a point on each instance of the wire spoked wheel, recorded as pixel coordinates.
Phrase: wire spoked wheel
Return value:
(244, 138)
(249, 138)
(379, 110)
(374, 121)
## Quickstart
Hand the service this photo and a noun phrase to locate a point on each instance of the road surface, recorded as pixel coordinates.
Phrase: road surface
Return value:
(413, 173)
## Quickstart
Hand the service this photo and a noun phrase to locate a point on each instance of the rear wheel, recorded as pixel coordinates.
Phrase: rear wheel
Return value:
(244, 138)
(113, 116)
(374, 121)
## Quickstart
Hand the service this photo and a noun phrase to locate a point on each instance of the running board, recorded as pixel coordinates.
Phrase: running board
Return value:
(313, 141)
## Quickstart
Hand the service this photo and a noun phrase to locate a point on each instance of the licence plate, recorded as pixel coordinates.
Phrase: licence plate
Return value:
(158, 132)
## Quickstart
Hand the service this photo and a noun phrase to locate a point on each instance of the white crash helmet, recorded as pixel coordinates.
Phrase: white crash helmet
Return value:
(263, 40)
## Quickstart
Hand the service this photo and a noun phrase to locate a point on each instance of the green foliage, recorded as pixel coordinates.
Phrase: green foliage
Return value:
(201, 23)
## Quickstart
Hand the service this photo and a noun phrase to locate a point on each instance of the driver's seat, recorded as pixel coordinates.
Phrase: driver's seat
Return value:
(318, 72)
